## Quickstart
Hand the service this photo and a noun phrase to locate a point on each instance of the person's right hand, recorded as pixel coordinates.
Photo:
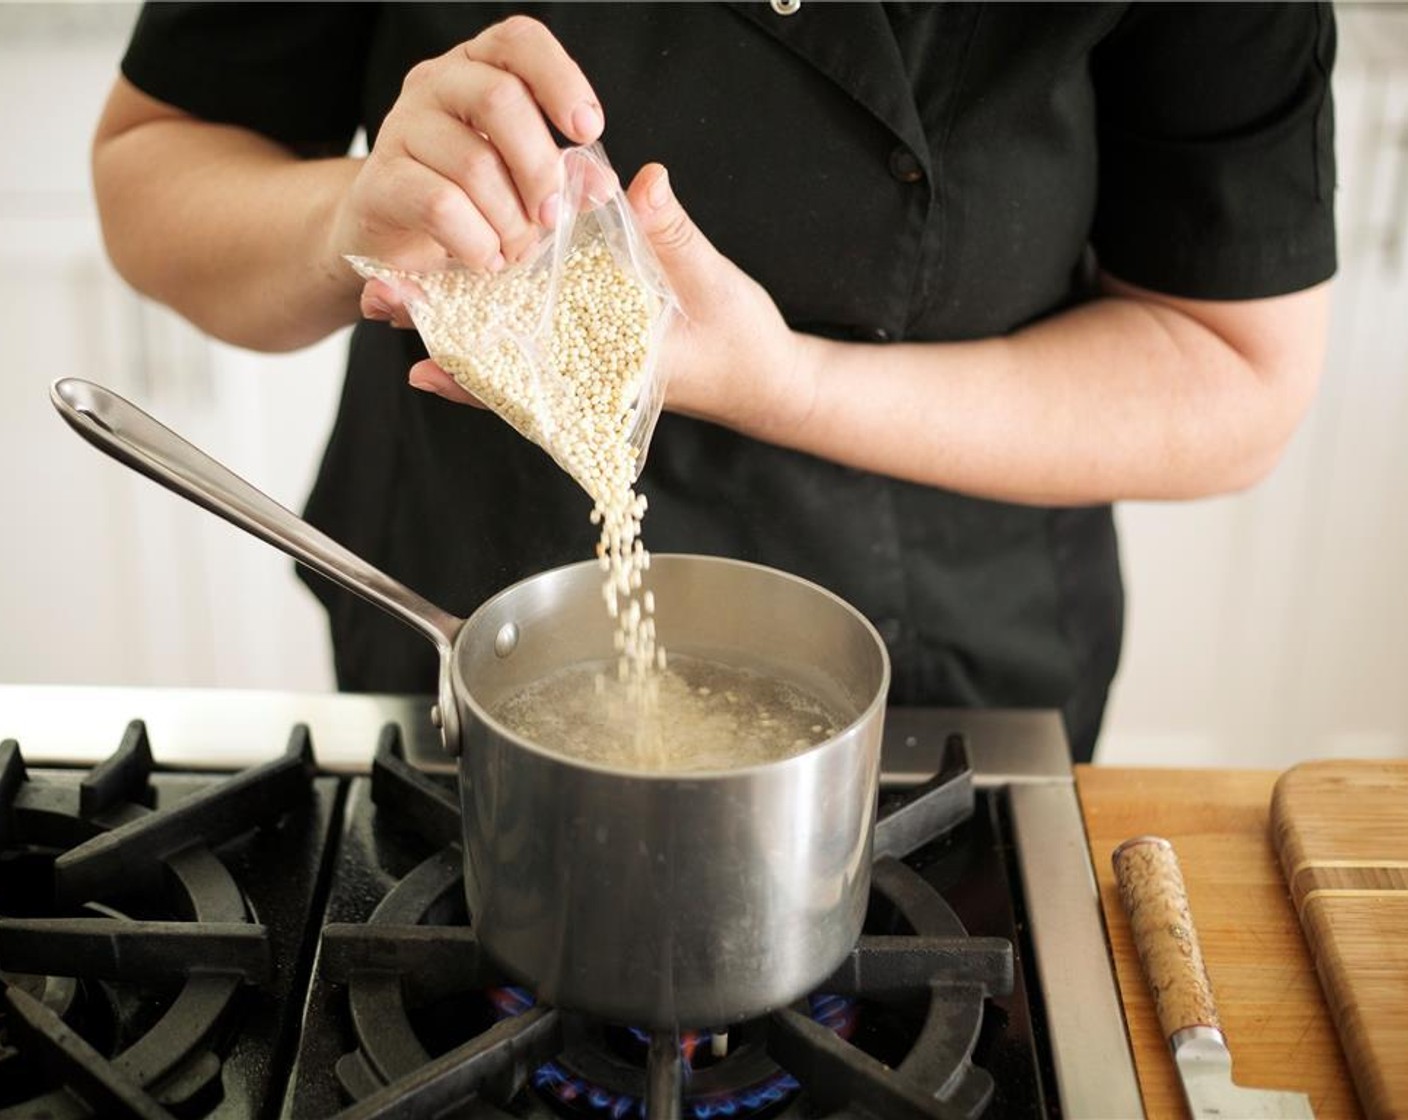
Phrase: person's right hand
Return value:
(464, 165)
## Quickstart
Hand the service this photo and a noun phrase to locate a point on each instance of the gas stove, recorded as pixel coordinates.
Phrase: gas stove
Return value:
(236, 905)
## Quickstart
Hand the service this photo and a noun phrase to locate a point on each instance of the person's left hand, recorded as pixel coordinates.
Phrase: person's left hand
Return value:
(729, 357)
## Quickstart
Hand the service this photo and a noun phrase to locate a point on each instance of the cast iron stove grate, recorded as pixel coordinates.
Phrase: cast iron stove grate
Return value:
(128, 947)
(415, 980)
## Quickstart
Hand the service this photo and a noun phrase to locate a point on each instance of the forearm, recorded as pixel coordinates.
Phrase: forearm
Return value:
(1117, 399)
(245, 239)
(228, 228)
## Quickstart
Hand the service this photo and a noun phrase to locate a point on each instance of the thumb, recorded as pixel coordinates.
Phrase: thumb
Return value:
(677, 241)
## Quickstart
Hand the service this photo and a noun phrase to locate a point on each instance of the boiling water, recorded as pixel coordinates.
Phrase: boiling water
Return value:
(700, 715)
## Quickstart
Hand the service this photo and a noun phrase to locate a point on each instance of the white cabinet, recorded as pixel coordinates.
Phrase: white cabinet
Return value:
(104, 577)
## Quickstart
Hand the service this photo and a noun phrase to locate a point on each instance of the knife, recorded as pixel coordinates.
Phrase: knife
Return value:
(1151, 889)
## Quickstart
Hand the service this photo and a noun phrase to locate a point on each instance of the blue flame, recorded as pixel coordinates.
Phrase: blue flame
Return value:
(553, 1079)
(774, 1089)
(834, 1012)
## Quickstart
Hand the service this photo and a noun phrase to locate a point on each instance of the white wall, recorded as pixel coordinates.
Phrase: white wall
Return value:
(104, 578)
(1263, 628)
(1273, 626)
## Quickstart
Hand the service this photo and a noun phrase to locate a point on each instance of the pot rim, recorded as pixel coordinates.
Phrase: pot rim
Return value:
(461, 690)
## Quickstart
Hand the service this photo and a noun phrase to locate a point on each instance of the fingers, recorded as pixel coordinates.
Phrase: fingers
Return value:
(685, 252)
(381, 302)
(523, 47)
(517, 72)
(499, 106)
(470, 162)
(430, 378)
(466, 157)
(661, 216)
(409, 195)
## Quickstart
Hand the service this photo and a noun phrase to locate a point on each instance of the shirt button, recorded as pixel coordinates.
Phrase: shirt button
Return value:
(890, 630)
(905, 166)
(878, 334)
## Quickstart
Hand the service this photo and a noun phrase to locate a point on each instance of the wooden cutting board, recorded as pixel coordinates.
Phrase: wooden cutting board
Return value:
(1341, 831)
(1268, 997)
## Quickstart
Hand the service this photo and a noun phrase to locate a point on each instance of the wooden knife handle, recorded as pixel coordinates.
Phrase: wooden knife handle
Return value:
(1152, 891)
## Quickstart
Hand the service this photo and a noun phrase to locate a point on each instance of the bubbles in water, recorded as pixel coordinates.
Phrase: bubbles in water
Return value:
(704, 716)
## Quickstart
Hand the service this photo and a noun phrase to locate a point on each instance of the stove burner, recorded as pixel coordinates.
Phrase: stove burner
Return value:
(416, 961)
(117, 1009)
(741, 1081)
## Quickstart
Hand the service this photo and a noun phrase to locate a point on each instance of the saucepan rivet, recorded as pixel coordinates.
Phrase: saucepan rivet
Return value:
(435, 717)
(507, 640)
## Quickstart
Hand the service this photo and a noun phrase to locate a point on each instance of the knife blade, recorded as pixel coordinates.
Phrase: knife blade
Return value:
(1153, 894)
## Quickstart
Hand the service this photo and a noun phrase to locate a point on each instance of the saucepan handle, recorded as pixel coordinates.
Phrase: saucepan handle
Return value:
(122, 430)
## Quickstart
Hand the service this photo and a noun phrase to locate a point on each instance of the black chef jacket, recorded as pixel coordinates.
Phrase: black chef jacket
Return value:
(896, 171)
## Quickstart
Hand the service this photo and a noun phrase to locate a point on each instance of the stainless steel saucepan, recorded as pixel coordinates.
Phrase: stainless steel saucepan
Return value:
(652, 899)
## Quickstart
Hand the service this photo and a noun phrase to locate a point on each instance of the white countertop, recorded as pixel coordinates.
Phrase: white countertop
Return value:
(211, 729)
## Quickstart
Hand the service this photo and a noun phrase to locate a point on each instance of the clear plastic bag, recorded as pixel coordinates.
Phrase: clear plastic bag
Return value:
(563, 345)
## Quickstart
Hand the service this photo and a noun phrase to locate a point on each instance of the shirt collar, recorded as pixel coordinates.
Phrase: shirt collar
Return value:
(853, 45)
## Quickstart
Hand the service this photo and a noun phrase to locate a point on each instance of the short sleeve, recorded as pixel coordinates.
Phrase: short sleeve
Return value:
(1216, 148)
(290, 71)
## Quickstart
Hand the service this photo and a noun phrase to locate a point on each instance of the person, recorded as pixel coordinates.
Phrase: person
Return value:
(955, 278)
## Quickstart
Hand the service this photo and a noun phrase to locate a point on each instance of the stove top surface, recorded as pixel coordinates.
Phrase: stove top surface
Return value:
(376, 1020)
(334, 956)
(157, 932)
